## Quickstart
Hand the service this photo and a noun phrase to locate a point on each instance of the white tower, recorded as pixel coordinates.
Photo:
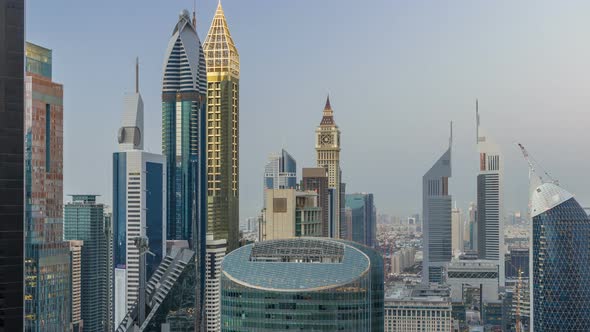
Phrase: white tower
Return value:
(490, 199)
(328, 156)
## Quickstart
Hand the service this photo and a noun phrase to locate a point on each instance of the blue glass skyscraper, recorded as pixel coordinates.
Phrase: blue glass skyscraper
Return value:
(184, 93)
(560, 261)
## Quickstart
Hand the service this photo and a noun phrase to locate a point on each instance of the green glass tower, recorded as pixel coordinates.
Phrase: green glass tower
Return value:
(223, 88)
(84, 220)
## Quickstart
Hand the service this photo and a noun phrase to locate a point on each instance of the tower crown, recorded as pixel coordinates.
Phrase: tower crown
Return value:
(220, 51)
(328, 116)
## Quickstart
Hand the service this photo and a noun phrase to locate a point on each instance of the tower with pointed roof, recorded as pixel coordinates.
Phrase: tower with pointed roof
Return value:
(328, 156)
(223, 92)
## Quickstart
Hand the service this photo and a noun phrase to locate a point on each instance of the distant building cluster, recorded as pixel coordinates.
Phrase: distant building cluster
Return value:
(403, 259)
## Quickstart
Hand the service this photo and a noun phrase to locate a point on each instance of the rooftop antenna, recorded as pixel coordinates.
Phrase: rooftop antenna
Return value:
(195, 14)
(451, 137)
(476, 121)
(137, 75)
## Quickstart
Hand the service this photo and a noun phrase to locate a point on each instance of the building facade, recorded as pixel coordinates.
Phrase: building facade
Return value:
(560, 260)
(437, 221)
(327, 145)
(490, 200)
(184, 135)
(464, 275)
(280, 172)
(364, 218)
(12, 45)
(76, 322)
(139, 206)
(47, 256)
(419, 314)
(316, 179)
(223, 139)
(305, 284)
(290, 213)
(215, 253)
(84, 221)
(457, 228)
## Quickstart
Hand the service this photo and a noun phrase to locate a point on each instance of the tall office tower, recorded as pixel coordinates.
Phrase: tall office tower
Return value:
(76, 322)
(184, 90)
(472, 226)
(139, 206)
(311, 284)
(223, 139)
(364, 224)
(290, 213)
(490, 199)
(84, 220)
(108, 216)
(347, 223)
(12, 45)
(215, 252)
(280, 172)
(457, 228)
(316, 179)
(47, 256)
(327, 148)
(560, 260)
(436, 214)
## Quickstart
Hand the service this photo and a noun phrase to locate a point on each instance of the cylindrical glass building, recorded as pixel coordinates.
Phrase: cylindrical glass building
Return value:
(560, 261)
(302, 284)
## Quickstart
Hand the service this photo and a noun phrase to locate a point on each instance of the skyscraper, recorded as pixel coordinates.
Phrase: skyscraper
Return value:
(490, 199)
(184, 90)
(12, 45)
(215, 253)
(139, 205)
(281, 171)
(316, 179)
(328, 156)
(76, 322)
(560, 258)
(223, 97)
(84, 220)
(436, 214)
(457, 229)
(47, 256)
(364, 223)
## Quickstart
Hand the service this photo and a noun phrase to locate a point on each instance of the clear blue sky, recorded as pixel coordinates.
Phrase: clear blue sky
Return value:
(397, 73)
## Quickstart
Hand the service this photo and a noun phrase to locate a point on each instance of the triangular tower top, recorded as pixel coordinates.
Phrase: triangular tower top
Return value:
(221, 53)
(328, 118)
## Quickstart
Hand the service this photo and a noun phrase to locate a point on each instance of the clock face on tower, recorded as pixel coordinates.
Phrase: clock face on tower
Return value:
(326, 139)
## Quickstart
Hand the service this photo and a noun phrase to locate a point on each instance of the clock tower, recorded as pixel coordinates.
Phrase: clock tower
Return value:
(328, 156)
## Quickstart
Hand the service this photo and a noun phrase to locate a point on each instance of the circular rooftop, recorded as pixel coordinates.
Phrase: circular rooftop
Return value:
(297, 264)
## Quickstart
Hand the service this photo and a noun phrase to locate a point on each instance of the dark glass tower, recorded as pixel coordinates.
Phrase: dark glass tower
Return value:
(560, 261)
(184, 90)
(12, 45)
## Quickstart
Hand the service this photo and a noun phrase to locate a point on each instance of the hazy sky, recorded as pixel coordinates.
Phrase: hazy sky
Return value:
(397, 73)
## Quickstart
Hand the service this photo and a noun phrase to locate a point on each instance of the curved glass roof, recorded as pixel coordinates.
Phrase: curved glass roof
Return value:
(334, 263)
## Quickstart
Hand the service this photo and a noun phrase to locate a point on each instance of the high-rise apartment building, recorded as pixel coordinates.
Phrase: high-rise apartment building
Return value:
(436, 214)
(12, 45)
(280, 172)
(310, 284)
(457, 228)
(84, 220)
(215, 253)
(184, 135)
(290, 213)
(327, 145)
(47, 256)
(139, 206)
(490, 199)
(76, 322)
(364, 218)
(560, 260)
(316, 179)
(223, 139)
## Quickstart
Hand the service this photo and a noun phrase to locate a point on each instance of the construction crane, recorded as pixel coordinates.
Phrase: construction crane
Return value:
(533, 170)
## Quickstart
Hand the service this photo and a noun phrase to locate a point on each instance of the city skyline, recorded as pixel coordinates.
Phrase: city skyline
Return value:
(469, 64)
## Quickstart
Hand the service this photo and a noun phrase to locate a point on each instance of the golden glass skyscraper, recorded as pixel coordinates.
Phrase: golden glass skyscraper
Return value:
(223, 86)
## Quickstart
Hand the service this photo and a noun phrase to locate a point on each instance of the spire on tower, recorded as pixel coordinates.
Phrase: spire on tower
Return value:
(328, 117)
(220, 50)
(137, 75)
(328, 106)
